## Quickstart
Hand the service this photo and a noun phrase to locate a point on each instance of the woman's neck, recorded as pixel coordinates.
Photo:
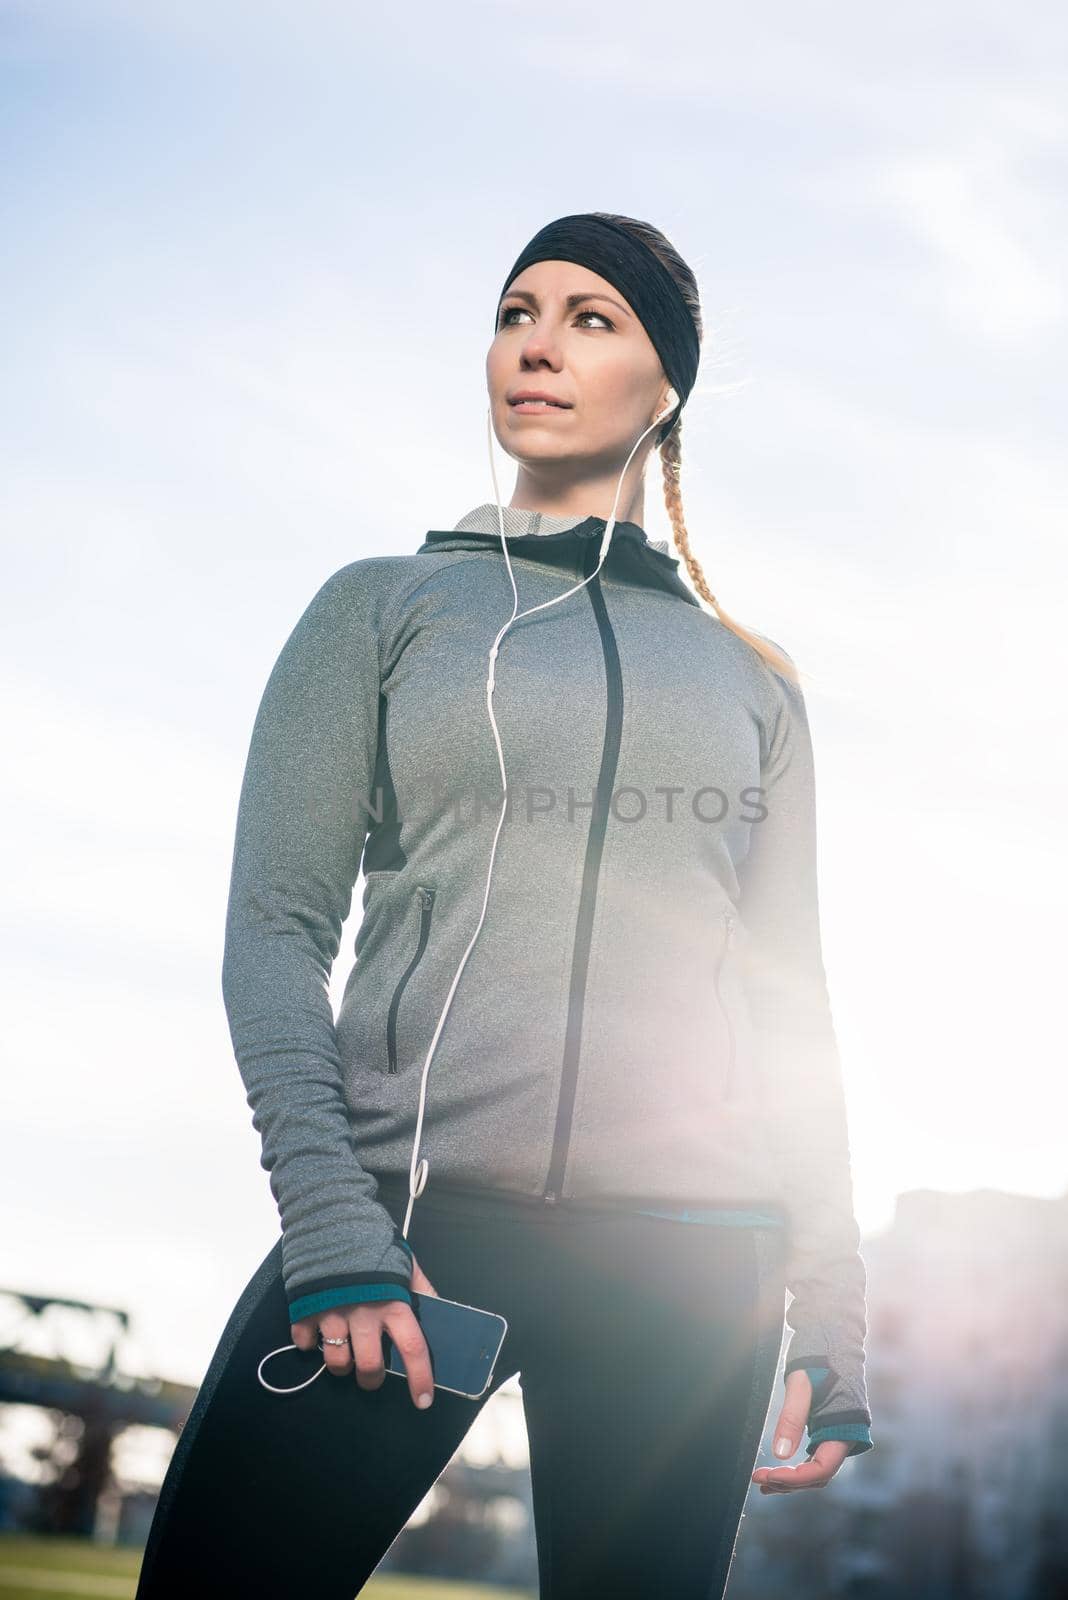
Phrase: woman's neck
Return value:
(587, 498)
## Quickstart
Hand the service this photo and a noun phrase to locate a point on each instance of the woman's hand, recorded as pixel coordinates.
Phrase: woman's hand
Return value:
(363, 1324)
(815, 1473)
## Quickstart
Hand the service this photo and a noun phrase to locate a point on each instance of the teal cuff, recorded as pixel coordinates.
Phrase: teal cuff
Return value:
(856, 1434)
(310, 1305)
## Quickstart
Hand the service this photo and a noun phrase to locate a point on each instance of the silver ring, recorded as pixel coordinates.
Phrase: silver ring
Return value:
(325, 1340)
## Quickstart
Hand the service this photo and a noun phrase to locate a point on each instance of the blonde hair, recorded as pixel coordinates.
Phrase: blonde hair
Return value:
(671, 458)
(671, 451)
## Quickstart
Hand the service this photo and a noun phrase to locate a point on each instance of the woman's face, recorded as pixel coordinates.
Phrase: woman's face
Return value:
(593, 354)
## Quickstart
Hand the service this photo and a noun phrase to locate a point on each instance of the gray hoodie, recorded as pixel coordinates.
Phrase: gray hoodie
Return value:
(643, 1019)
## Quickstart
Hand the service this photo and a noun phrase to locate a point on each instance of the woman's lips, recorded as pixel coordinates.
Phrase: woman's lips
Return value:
(538, 407)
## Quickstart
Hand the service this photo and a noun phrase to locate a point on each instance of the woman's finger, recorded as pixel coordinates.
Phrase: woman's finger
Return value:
(420, 1282)
(304, 1334)
(404, 1330)
(365, 1332)
(815, 1473)
(338, 1357)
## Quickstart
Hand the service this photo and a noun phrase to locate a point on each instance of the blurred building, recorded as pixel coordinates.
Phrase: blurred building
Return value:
(962, 1495)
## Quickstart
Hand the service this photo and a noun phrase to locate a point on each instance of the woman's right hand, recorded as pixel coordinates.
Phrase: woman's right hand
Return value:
(363, 1325)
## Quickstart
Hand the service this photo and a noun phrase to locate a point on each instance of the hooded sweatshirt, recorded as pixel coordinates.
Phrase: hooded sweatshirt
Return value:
(643, 1021)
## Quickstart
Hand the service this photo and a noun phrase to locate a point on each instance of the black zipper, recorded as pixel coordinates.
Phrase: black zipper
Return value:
(728, 940)
(426, 898)
(580, 957)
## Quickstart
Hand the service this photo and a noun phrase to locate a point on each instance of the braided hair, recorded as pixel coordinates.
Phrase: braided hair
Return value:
(671, 451)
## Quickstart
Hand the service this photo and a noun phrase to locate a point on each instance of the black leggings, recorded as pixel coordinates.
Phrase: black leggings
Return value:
(647, 1350)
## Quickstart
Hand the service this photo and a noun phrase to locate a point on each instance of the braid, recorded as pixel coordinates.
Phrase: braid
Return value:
(671, 447)
(671, 462)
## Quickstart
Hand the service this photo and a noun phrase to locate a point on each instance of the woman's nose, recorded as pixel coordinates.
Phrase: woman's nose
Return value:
(541, 346)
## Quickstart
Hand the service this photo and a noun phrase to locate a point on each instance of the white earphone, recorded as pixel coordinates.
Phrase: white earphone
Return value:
(419, 1170)
(669, 406)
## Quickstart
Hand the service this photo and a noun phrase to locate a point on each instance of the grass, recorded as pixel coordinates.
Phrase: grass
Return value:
(71, 1569)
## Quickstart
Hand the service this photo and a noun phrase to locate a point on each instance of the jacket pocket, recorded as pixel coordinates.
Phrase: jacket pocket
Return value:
(729, 923)
(424, 897)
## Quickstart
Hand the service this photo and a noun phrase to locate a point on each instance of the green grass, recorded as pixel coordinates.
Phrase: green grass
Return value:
(71, 1569)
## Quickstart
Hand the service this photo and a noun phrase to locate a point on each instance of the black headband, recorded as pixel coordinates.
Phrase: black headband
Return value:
(641, 277)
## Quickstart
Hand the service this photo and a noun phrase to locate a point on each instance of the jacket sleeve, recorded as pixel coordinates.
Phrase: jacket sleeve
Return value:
(800, 1080)
(302, 821)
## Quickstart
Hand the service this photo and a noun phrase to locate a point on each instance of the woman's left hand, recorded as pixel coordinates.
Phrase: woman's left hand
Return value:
(815, 1473)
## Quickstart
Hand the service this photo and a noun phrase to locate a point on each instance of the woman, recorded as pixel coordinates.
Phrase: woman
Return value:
(607, 1021)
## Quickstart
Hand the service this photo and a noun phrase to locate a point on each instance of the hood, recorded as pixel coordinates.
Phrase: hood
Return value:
(539, 536)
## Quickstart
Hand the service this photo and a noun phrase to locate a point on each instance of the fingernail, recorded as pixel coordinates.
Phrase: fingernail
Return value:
(783, 1447)
(423, 1401)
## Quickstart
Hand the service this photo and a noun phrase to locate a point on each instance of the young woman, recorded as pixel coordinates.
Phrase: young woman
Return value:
(589, 985)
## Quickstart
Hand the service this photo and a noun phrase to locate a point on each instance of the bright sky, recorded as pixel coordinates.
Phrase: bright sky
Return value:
(252, 256)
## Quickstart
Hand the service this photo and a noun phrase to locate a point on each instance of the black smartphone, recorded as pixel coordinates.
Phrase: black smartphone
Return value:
(464, 1343)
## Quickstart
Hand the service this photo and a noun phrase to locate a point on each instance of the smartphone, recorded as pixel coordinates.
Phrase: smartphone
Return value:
(464, 1343)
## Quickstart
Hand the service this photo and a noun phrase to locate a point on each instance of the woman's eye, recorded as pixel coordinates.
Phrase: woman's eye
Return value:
(509, 310)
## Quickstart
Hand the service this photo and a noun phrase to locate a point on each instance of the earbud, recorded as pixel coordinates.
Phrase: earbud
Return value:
(669, 406)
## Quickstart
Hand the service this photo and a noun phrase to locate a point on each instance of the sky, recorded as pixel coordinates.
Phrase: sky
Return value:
(252, 254)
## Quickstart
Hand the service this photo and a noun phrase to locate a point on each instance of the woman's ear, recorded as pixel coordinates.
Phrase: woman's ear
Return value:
(667, 406)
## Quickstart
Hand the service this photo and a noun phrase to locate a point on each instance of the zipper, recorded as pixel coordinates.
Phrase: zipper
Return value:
(729, 920)
(426, 903)
(580, 957)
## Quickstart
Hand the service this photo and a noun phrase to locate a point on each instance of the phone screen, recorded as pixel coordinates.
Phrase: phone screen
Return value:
(464, 1343)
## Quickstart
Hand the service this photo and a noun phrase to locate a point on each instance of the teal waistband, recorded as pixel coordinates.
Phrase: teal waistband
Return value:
(746, 1219)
